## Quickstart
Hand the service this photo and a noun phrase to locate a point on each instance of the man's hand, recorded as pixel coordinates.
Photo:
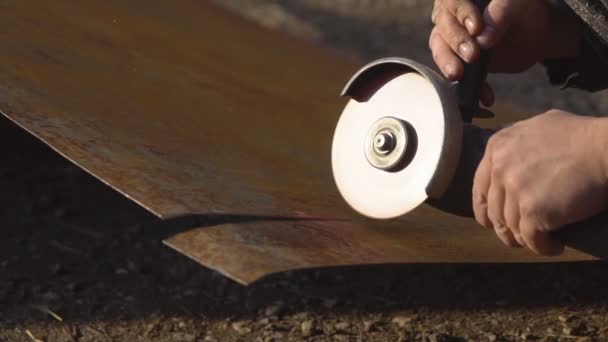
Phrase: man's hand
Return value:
(520, 33)
(540, 175)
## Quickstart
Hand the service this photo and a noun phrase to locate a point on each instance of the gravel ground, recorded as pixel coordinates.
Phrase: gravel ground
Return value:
(80, 263)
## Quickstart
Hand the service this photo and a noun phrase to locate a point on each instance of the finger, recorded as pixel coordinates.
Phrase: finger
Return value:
(497, 18)
(457, 37)
(487, 95)
(481, 185)
(437, 8)
(451, 66)
(496, 205)
(511, 213)
(539, 241)
(467, 14)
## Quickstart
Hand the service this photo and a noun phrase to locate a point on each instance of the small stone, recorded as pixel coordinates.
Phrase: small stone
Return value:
(579, 329)
(401, 321)
(274, 309)
(50, 296)
(60, 212)
(307, 328)
(342, 326)
(134, 229)
(341, 338)
(210, 339)
(121, 271)
(241, 328)
(132, 266)
(182, 337)
(329, 303)
(301, 316)
(264, 321)
(55, 268)
(369, 325)
(491, 337)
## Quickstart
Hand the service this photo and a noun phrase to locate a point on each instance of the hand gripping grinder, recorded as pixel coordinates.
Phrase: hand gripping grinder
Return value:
(405, 138)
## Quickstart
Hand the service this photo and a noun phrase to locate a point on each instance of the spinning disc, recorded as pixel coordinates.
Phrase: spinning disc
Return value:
(387, 151)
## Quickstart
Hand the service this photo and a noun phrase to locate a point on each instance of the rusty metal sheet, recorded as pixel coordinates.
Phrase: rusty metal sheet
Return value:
(187, 109)
(247, 252)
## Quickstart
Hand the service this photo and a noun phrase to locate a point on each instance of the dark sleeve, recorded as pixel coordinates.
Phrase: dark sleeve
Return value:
(588, 71)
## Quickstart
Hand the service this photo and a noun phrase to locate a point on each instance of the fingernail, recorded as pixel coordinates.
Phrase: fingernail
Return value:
(468, 22)
(485, 39)
(466, 50)
(449, 70)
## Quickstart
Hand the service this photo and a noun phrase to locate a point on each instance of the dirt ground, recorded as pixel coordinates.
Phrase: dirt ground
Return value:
(78, 262)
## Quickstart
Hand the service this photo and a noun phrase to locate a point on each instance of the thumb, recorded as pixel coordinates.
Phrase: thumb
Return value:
(498, 17)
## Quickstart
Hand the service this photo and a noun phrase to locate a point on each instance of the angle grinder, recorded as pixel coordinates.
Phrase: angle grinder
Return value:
(406, 138)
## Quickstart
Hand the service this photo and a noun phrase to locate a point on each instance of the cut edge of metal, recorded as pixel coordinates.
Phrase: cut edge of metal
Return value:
(240, 280)
(248, 281)
(84, 168)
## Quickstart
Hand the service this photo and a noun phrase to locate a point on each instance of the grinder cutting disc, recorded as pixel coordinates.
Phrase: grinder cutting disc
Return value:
(398, 140)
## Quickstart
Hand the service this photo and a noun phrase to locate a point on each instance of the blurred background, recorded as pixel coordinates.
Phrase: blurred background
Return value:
(373, 29)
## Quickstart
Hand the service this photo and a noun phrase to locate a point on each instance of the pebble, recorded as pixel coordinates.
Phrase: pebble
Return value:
(329, 303)
(274, 309)
(55, 268)
(301, 315)
(401, 321)
(369, 325)
(342, 326)
(182, 337)
(341, 338)
(121, 271)
(241, 328)
(307, 327)
(491, 337)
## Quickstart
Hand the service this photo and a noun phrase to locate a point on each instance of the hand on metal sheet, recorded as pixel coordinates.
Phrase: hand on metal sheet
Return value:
(542, 174)
(520, 33)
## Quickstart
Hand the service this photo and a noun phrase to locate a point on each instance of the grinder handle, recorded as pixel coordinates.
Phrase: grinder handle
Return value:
(469, 88)
(589, 236)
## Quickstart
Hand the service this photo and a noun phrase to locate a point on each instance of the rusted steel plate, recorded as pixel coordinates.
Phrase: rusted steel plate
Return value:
(247, 252)
(187, 109)
(179, 105)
